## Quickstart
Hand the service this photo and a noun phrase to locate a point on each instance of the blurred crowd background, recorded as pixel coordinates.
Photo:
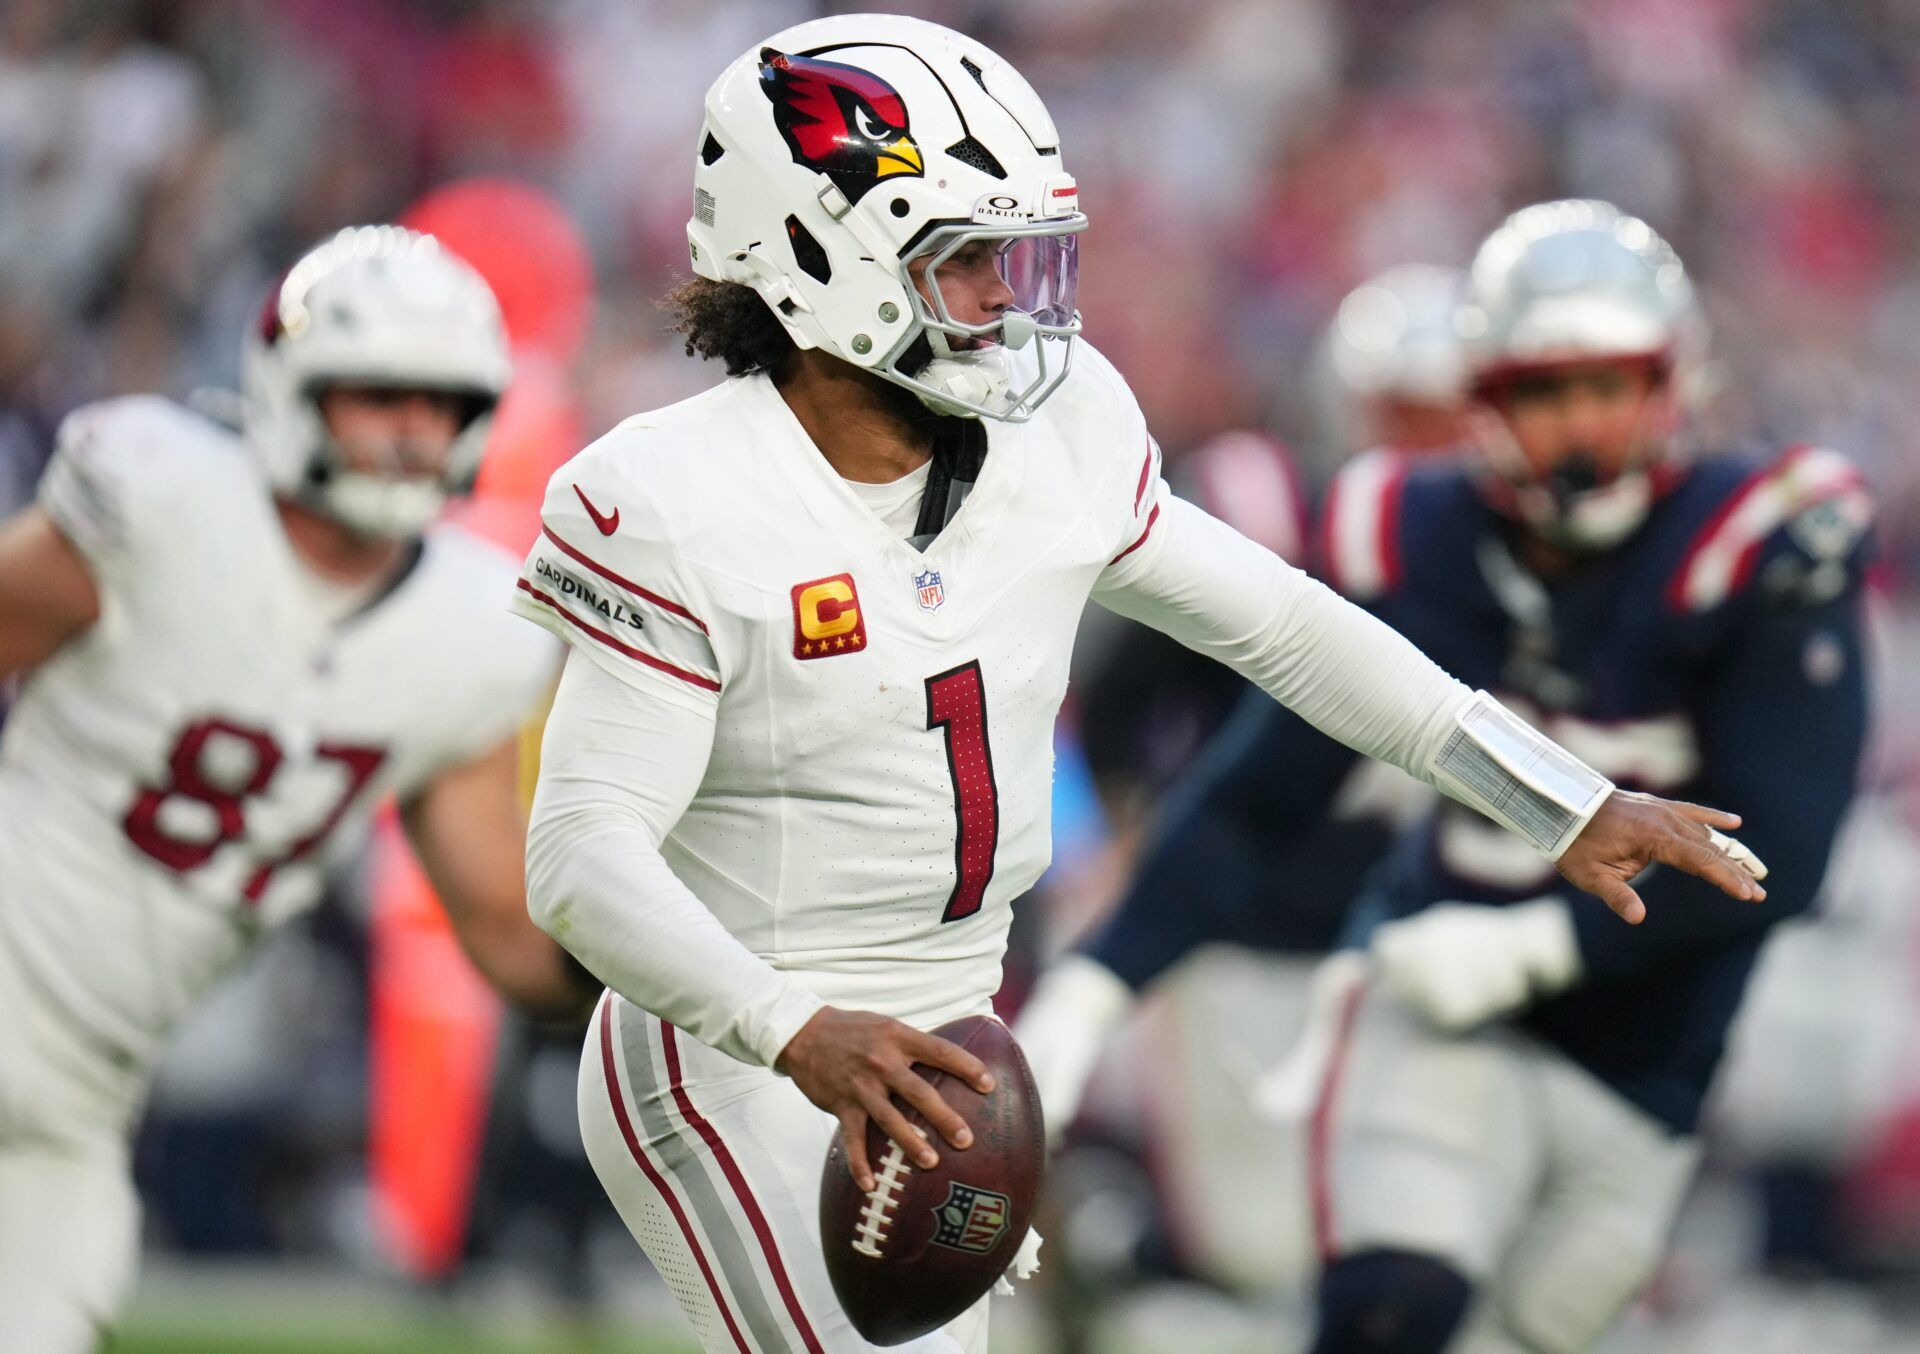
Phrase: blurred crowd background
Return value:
(1244, 163)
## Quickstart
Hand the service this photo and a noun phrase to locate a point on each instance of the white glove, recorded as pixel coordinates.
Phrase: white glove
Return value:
(1064, 1027)
(1026, 1264)
(1460, 964)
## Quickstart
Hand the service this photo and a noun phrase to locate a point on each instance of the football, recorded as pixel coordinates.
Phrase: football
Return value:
(926, 1245)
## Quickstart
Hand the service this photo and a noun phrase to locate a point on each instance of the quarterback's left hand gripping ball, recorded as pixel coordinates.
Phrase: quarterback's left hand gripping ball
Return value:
(925, 1245)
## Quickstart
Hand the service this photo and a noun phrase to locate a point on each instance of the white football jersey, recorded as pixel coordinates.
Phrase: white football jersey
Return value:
(879, 787)
(174, 781)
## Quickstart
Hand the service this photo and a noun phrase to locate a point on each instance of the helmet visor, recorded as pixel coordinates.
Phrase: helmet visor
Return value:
(976, 276)
(1043, 271)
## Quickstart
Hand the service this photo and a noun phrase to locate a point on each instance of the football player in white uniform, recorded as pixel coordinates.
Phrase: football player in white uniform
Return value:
(233, 647)
(797, 769)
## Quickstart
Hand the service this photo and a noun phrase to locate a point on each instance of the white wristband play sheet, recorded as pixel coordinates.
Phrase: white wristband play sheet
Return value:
(1498, 763)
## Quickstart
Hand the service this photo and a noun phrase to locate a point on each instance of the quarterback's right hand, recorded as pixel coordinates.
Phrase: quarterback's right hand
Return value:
(1632, 831)
(850, 1063)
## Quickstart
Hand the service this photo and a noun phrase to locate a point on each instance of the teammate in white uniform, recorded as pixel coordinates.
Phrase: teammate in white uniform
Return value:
(797, 769)
(233, 648)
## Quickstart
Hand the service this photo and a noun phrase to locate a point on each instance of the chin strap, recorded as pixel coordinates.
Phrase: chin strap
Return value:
(970, 379)
(393, 505)
(959, 454)
(375, 505)
(1590, 519)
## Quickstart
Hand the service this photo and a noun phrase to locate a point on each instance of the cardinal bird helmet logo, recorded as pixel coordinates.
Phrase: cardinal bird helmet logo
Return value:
(846, 122)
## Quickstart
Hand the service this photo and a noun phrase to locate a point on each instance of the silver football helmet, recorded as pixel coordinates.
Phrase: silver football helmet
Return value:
(1566, 283)
(1399, 377)
(378, 306)
(1393, 336)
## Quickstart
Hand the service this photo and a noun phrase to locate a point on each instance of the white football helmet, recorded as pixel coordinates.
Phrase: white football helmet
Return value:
(840, 149)
(1569, 282)
(1393, 337)
(377, 306)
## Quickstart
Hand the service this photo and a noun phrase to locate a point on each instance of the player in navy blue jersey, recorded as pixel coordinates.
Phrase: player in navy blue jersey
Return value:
(1225, 1184)
(1504, 1120)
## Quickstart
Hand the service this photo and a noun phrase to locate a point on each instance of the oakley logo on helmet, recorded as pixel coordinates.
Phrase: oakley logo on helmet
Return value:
(843, 121)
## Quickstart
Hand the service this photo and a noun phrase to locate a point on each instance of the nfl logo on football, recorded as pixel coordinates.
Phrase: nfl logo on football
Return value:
(932, 591)
(970, 1219)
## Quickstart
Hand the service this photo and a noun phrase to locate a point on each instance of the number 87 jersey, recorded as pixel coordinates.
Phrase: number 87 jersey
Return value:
(175, 780)
(878, 788)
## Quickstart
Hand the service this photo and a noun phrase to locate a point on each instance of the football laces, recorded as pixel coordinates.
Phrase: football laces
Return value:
(870, 1233)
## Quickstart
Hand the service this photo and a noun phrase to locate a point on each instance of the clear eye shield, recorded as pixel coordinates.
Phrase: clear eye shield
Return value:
(1037, 265)
(1023, 275)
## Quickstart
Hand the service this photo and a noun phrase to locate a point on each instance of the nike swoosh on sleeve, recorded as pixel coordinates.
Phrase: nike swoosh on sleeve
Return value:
(608, 522)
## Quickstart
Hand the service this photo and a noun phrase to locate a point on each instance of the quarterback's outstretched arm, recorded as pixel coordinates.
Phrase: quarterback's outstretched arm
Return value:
(1358, 680)
(47, 593)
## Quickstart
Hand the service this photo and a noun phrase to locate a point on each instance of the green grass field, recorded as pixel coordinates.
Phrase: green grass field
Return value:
(281, 1309)
(356, 1337)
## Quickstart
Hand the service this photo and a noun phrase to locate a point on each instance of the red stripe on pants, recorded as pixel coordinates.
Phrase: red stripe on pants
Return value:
(751, 1206)
(647, 1168)
(1320, 1128)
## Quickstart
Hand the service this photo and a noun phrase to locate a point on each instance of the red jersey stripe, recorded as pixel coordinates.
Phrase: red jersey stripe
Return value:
(1140, 490)
(1320, 1129)
(691, 678)
(664, 603)
(1152, 517)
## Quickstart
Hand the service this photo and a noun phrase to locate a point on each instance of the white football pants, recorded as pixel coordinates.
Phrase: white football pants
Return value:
(715, 1167)
(69, 1217)
(1495, 1153)
(1229, 1173)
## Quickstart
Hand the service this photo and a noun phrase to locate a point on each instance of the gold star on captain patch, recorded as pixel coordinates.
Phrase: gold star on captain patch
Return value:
(806, 649)
(840, 643)
(856, 641)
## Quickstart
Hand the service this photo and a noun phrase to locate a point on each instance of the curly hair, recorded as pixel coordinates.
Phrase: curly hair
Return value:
(728, 321)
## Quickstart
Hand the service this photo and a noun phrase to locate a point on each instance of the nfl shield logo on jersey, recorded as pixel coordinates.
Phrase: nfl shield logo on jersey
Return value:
(932, 591)
(970, 1219)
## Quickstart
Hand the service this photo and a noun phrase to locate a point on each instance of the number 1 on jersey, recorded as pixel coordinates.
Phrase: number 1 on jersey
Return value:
(957, 706)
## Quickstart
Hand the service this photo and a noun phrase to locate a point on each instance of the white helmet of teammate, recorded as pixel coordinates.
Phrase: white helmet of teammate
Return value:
(839, 150)
(375, 306)
(1569, 283)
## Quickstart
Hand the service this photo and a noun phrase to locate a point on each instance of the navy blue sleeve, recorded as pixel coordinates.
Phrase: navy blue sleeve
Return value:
(1782, 719)
(1234, 847)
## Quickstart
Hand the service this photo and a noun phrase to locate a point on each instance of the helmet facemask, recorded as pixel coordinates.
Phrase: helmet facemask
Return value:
(1006, 367)
(1576, 504)
(392, 487)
